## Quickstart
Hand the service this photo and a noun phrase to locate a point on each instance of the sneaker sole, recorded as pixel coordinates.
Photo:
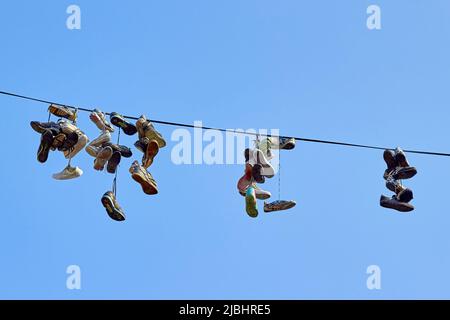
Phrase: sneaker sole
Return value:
(401, 207)
(127, 128)
(112, 213)
(250, 207)
(150, 154)
(113, 162)
(146, 187)
(44, 148)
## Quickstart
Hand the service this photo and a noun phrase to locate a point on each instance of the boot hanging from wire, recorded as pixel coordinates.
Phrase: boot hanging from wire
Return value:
(398, 169)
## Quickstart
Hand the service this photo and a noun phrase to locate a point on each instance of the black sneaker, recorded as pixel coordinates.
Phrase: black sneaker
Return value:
(119, 121)
(393, 203)
(113, 162)
(124, 150)
(40, 127)
(44, 147)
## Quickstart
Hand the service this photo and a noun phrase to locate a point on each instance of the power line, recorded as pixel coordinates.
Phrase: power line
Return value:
(229, 130)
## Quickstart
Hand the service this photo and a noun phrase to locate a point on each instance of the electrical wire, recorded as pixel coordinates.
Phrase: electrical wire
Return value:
(339, 143)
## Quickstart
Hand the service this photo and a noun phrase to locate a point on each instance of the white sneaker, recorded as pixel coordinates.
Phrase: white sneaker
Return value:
(256, 156)
(104, 137)
(68, 173)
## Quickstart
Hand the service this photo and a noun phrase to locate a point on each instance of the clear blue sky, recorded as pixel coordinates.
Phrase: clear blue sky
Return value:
(310, 68)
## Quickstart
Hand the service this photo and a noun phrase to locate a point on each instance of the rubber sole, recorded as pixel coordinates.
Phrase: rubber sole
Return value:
(388, 203)
(250, 206)
(113, 162)
(150, 153)
(127, 127)
(44, 147)
(112, 212)
(146, 186)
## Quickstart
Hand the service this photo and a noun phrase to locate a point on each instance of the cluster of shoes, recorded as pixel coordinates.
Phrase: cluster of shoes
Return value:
(257, 169)
(66, 137)
(63, 136)
(398, 169)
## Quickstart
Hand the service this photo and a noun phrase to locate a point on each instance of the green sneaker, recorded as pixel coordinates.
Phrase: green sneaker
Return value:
(250, 203)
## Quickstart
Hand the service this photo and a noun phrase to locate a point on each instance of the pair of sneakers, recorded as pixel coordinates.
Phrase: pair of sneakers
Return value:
(398, 168)
(149, 142)
(63, 136)
(251, 205)
(71, 140)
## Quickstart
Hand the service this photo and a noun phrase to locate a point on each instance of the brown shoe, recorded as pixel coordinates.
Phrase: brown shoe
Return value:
(145, 129)
(63, 112)
(150, 153)
(144, 178)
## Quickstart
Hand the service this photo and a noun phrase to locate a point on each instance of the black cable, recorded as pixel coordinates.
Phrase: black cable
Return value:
(232, 131)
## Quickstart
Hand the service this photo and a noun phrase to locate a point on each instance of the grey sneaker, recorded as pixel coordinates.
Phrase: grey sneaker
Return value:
(112, 207)
(279, 205)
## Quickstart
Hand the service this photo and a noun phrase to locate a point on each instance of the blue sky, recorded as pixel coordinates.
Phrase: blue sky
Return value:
(309, 68)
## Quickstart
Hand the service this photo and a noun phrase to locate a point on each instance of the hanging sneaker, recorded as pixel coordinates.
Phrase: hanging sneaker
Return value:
(257, 157)
(394, 203)
(68, 173)
(64, 112)
(144, 178)
(279, 205)
(113, 162)
(283, 143)
(100, 121)
(391, 162)
(265, 145)
(250, 203)
(141, 144)
(404, 170)
(246, 180)
(405, 195)
(150, 153)
(40, 127)
(45, 145)
(112, 207)
(119, 121)
(102, 157)
(124, 150)
(145, 129)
